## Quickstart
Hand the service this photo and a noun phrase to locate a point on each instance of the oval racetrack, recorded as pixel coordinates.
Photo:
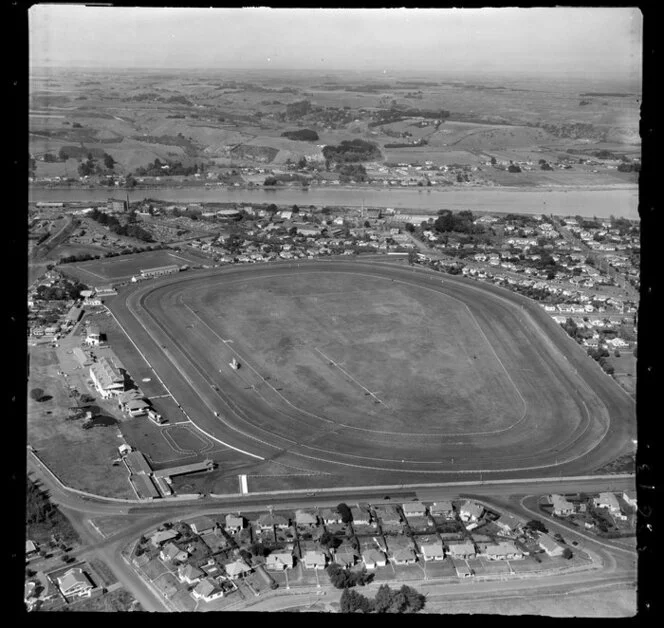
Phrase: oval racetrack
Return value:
(385, 372)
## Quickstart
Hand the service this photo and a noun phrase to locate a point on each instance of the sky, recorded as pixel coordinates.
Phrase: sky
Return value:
(564, 41)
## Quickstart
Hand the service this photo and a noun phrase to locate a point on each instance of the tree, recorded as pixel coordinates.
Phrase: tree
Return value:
(63, 155)
(109, 162)
(37, 394)
(345, 513)
(535, 524)
(567, 553)
(412, 257)
(329, 541)
(383, 599)
(353, 602)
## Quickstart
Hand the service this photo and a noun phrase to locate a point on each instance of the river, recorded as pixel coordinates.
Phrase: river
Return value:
(600, 202)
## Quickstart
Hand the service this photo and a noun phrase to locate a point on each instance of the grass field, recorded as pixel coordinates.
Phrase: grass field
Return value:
(125, 266)
(423, 362)
(62, 444)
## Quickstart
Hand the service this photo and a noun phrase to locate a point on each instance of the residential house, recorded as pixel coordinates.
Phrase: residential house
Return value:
(346, 559)
(442, 509)
(506, 550)
(314, 560)
(388, 515)
(404, 556)
(207, 590)
(461, 550)
(172, 553)
(305, 519)
(470, 511)
(561, 507)
(269, 521)
(190, 574)
(163, 536)
(374, 558)
(75, 583)
(549, 545)
(202, 525)
(237, 569)
(329, 516)
(31, 549)
(630, 498)
(234, 523)
(414, 509)
(278, 561)
(361, 516)
(507, 523)
(137, 407)
(432, 551)
(607, 500)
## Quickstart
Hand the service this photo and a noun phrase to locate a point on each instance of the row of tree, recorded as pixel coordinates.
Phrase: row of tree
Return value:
(129, 229)
(387, 600)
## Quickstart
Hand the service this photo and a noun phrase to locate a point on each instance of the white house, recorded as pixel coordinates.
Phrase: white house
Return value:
(470, 511)
(374, 558)
(234, 523)
(549, 545)
(207, 590)
(506, 550)
(432, 551)
(561, 506)
(461, 550)
(75, 583)
(414, 509)
(278, 561)
(314, 560)
(607, 500)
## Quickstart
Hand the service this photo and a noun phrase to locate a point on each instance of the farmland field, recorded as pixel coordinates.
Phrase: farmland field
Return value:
(368, 371)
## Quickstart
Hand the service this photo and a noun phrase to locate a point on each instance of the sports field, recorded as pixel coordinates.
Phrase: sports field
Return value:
(373, 371)
(124, 267)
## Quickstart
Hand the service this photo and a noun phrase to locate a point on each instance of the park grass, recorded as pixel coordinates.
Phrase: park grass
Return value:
(80, 458)
(418, 352)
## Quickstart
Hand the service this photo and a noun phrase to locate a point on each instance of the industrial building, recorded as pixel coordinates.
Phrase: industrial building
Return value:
(195, 467)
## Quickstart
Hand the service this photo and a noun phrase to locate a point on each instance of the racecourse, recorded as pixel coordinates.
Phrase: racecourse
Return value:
(389, 374)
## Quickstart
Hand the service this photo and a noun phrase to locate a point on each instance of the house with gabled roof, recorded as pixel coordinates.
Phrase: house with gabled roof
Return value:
(237, 569)
(31, 549)
(549, 545)
(278, 561)
(163, 536)
(201, 524)
(442, 509)
(305, 519)
(461, 550)
(314, 560)
(404, 556)
(207, 590)
(329, 516)
(505, 550)
(561, 507)
(607, 500)
(414, 509)
(234, 523)
(268, 521)
(508, 523)
(345, 558)
(190, 574)
(75, 583)
(361, 516)
(373, 558)
(172, 553)
(630, 498)
(432, 551)
(388, 515)
(470, 511)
